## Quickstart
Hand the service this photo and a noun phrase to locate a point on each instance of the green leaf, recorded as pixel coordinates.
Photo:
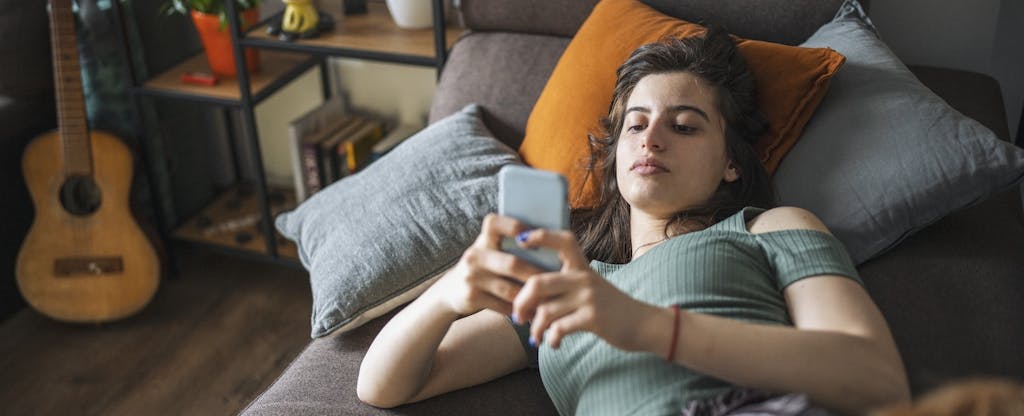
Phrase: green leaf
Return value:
(206, 6)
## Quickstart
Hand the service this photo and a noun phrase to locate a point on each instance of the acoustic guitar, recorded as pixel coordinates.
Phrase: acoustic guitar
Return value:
(85, 259)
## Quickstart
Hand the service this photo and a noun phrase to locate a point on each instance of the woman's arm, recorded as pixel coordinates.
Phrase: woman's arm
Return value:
(454, 335)
(840, 351)
(844, 359)
(426, 350)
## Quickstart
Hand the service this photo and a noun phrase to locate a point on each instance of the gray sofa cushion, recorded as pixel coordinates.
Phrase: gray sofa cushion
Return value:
(373, 237)
(884, 156)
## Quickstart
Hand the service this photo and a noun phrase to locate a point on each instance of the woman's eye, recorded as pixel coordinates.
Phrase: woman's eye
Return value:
(682, 128)
(635, 128)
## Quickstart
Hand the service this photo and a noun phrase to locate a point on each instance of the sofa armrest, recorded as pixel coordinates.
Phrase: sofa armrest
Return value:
(951, 294)
(976, 95)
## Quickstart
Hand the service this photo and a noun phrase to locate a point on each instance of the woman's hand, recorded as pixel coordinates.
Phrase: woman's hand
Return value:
(576, 298)
(485, 277)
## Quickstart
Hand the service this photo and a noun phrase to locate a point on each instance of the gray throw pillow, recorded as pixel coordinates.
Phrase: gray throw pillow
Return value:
(374, 240)
(883, 156)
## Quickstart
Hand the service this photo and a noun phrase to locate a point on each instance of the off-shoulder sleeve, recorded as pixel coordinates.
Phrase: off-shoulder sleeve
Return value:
(798, 254)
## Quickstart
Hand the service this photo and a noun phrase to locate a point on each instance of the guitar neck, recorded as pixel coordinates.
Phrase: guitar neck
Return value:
(71, 116)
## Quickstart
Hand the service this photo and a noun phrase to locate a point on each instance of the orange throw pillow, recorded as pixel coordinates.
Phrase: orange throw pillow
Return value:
(791, 82)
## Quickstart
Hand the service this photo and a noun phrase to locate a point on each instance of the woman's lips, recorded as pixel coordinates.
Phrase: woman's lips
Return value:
(648, 166)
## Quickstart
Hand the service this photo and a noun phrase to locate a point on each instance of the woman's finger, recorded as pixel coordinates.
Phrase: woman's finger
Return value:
(550, 311)
(538, 289)
(468, 291)
(501, 263)
(563, 241)
(496, 226)
(497, 286)
(578, 320)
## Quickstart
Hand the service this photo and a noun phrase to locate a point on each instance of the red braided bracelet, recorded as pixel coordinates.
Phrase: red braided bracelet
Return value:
(675, 334)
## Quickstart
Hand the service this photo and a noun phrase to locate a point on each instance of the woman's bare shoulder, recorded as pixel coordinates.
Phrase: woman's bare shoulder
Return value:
(786, 218)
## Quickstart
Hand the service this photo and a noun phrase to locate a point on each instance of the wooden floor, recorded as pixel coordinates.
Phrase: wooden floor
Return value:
(213, 338)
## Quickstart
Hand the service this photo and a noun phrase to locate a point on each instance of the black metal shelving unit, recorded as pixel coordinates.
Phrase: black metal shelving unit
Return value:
(317, 52)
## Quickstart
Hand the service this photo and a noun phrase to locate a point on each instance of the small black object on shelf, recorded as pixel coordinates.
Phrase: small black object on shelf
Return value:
(352, 7)
(243, 237)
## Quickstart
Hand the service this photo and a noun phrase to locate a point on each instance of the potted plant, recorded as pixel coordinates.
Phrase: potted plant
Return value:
(210, 18)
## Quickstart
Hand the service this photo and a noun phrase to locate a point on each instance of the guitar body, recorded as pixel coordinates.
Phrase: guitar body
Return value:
(85, 259)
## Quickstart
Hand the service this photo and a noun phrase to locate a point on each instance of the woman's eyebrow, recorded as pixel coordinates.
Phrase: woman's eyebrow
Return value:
(677, 108)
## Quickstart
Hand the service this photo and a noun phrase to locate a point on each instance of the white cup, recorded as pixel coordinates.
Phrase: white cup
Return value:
(412, 14)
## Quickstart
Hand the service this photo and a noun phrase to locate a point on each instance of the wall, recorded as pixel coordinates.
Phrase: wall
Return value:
(396, 93)
(400, 93)
(272, 118)
(983, 36)
(1008, 61)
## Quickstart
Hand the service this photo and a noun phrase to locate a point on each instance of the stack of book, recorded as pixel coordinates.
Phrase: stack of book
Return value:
(329, 143)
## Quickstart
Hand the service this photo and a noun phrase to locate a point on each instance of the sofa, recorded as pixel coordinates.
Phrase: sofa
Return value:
(950, 291)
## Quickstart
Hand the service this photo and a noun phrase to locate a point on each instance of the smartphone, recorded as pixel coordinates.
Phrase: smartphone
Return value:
(541, 200)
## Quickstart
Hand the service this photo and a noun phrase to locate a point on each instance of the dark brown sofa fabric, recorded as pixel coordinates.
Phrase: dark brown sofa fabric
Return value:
(322, 381)
(782, 21)
(952, 294)
(503, 72)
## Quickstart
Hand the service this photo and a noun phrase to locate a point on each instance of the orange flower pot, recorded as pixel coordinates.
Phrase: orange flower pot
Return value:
(217, 42)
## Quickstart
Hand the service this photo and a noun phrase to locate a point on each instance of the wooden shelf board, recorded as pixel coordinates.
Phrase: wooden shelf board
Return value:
(372, 32)
(235, 212)
(273, 65)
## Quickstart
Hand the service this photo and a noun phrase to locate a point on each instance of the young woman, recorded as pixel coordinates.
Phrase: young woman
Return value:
(679, 290)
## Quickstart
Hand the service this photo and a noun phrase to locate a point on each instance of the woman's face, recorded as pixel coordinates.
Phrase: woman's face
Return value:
(671, 152)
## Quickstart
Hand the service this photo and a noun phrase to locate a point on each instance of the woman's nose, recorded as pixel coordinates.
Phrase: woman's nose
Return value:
(652, 139)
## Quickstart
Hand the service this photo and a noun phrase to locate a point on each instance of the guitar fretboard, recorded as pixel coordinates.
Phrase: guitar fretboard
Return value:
(71, 116)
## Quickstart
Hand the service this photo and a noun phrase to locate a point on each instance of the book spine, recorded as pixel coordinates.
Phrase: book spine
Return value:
(342, 155)
(311, 168)
(327, 175)
(359, 149)
(298, 174)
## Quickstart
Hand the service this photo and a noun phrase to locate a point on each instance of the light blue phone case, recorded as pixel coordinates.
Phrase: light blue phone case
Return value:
(538, 198)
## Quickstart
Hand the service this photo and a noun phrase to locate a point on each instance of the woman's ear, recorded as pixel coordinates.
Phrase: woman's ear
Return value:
(732, 172)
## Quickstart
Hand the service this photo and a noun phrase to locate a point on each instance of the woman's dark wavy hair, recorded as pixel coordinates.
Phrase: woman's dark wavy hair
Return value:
(603, 230)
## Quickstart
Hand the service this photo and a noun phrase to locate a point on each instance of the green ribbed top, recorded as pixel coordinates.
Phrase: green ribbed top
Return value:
(722, 270)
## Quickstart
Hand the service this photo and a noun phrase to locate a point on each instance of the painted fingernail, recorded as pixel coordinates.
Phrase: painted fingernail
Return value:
(533, 342)
(521, 237)
(515, 318)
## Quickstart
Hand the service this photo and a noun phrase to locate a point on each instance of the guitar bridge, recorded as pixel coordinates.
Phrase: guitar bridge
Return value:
(90, 266)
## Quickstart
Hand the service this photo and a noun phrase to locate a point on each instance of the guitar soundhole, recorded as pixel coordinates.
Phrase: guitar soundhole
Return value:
(80, 195)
